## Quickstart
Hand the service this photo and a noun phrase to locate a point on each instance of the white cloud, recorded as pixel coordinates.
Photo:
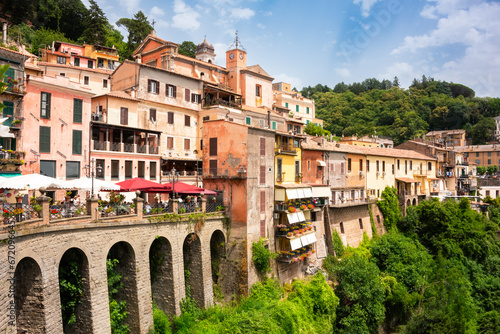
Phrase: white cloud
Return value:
(156, 11)
(131, 6)
(343, 72)
(269, 13)
(261, 26)
(157, 14)
(366, 5)
(242, 13)
(185, 18)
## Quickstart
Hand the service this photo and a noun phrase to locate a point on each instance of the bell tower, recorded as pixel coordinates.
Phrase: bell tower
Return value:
(236, 60)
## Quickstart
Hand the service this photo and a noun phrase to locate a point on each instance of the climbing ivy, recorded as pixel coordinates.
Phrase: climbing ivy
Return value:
(71, 290)
(118, 310)
(390, 208)
(338, 246)
(261, 256)
(372, 222)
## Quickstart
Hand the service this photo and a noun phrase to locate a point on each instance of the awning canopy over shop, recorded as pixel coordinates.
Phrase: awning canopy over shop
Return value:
(406, 180)
(321, 191)
(296, 217)
(298, 193)
(303, 241)
(321, 163)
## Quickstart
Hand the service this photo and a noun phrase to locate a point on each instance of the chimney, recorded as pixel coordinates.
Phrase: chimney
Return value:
(4, 33)
(132, 92)
(53, 49)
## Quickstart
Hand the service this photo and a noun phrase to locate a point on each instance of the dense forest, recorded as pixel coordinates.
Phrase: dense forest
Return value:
(383, 108)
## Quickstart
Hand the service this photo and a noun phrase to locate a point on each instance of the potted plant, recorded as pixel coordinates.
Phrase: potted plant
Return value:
(17, 123)
(289, 234)
(295, 232)
(292, 209)
(19, 198)
(68, 195)
(303, 207)
(310, 206)
(188, 198)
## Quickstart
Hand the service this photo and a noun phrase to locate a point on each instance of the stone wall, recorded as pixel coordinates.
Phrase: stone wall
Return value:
(350, 217)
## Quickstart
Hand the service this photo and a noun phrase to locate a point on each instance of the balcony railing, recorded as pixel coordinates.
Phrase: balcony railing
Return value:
(230, 172)
(287, 149)
(100, 145)
(345, 202)
(116, 147)
(141, 149)
(128, 148)
(153, 149)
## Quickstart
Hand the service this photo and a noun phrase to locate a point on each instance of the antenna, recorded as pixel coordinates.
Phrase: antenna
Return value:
(237, 44)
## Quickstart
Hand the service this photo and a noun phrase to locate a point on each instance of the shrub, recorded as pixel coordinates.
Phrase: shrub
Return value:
(338, 246)
(261, 256)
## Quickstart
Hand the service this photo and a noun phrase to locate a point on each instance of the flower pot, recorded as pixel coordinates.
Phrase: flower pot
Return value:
(19, 199)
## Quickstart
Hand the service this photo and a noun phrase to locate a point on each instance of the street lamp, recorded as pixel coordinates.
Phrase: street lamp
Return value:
(92, 171)
(172, 177)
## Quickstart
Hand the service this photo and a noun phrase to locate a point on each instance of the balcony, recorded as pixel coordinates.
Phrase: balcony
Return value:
(232, 173)
(463, 176)
(421, 172)
(15, 82)
(153, 149)
(10, 161)
(286, 149)
(347, 202)
(99, 145)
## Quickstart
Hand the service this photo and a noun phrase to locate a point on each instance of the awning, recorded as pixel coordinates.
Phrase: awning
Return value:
(295, 193)
(292, 194)
(295, 243)
(321, 192)
(296, 217)
(406, 179)
(321, 163)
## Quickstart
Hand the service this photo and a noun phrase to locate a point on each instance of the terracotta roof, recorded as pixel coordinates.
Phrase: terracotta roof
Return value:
(96, 70)
(118, 94)
(292, 185)
(259, 70)
(406, 179)
(26, 53)
(477, 148)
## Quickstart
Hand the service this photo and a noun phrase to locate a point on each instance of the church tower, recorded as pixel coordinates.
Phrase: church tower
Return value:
(205, 52)
(236, 60)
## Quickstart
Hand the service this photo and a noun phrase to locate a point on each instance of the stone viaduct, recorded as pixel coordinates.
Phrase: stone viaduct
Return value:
(42, 247)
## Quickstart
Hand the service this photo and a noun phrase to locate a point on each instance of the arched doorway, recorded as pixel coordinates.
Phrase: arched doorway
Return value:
(193, 269)
(217, 254)
(29, 297)
(122, 287)
(74, 290)
(162, 278)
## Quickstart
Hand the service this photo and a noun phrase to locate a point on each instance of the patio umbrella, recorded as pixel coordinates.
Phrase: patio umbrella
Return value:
(141, 185)
(187, 189)
(85, 184)
(33, 182)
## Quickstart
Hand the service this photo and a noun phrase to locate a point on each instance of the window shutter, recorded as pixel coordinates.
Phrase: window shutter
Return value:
(149, 86)
(262, 147)
(262, 201)
(77, 110)
(262, 175)
(186, 144)
(175, 91)
(45, 139)
(170, 117)
(8, 112)
(170, 143)
(124, 116)
(187, 95)
(187, 120)
(152, 114)
(262, 228)
(213, 167)
(213, 147)
(157, 87)
(77, 142)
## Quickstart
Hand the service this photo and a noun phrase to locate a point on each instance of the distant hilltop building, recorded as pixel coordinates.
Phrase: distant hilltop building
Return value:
(447, 137)
(368, 141)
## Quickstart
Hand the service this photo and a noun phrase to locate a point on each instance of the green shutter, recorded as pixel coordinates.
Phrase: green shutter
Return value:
(77, 142)
(307, 122)
(307, 110)
(274, 125)
(297, 108)
(248, 121)
(45, 139)
(8, 112)
(286, 104)
(77, 110)
(45, 105)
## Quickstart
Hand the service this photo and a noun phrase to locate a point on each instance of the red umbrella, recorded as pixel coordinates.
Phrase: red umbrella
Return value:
(184, 188)
(140, 184)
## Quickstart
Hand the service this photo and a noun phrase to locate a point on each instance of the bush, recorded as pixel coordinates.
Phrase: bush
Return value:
(261, 256)
(338, 246)
(160, 320)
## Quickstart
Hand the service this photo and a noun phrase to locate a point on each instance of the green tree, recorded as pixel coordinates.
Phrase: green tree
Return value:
(492, 169)
(138, 29)
(315, 130)
(96, 22)
(481, 170)
(43, 39)
(187, 48)
(390, 207)
(483, 131)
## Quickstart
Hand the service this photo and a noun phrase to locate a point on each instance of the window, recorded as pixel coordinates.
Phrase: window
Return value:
(90, 64)
(383, 166)
(378, 166)
(296, 143)
(297, 108)
(308, 165)
(279, 168)
(77, 111)
(187, 95)
(429, 166)
(195, 98)
(72, 169)
(262, 201)
(187, 144)
(342, 172)
(286, 104)
(48, 168)
(342, 228)
(206, 118)
(170, 117)
(100, 63)
(297, 168)
(392, 169)
(115, 169)
(8, 112)
(307, 110)
(171, 91)
(489, 161)
(152, 170)
(411, 165)
(213, 167)
(258, 90)
(248, 120)
(170, 143)
(104, 83)
(273, 125)
(153, 86)
(360, 165)
(140, 169)
(487, 193)
(262, 147)
(489, 154)
(187, 120)
(477, 161)
(44, 139)
(123, 116)
(86, 80)
(77, 62)
(128, 169)
(406, 166)
(398, 164)
(477, 154)
(261, 123)
(45, 105)
(61, 60)
(62, 74)
(349, 165)
(213, 147)
(263, 228)
(360, 223)
(262, 175)
(152, 115)
(99, 163)
(367, 166)
(77, 142)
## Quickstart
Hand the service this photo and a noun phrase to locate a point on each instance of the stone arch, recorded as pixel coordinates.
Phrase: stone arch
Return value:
(29, 297)
(193, 268)
(414, 202)
(217, 253)
(126, 267)
(74, 269)
(408, 203)
(162, 275)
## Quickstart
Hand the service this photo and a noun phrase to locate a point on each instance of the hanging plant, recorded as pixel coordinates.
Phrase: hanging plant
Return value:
(292, 209)
(303, 207)
(310, 206)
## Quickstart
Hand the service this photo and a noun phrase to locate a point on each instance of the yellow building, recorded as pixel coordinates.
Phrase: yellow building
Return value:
(288, 157)
(368, 141)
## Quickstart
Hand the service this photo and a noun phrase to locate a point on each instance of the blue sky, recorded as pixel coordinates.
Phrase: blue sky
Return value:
(330, 41)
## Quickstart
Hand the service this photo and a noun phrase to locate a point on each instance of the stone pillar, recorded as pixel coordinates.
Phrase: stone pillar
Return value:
(203, 204)
(92, 205)
(139, 205)
(44, 201)
(175, 205)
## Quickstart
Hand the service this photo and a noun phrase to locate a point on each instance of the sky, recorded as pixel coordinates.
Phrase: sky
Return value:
(330, 41)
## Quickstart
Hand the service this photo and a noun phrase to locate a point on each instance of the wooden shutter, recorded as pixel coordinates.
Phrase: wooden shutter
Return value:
(262, 201)
(213, 147)
(77, 142)
(187, 145)
(45, 105)
(170, 143)
(213, 167)
(8, 112)
(77, 110)
(187, 95)
(45, 139)
(157, 87)
(262, 228)
(152, 114)
(175, 91)
(262, 175)
(187, 120)
(262, 147)
(170, 117)
(149, 86)
(124, 116)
